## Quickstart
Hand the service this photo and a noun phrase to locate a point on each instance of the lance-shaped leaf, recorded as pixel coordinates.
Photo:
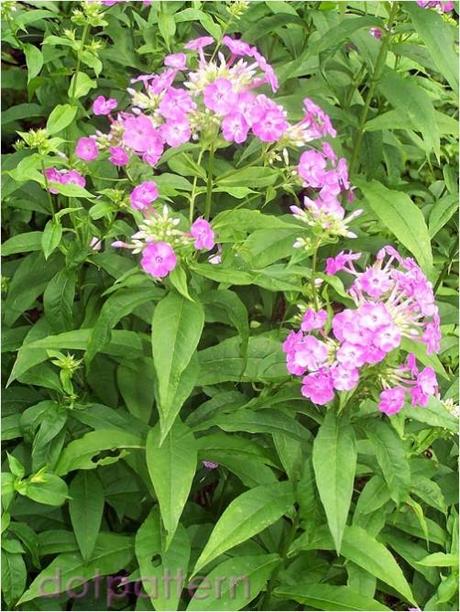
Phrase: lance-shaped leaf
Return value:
(334, 462)
(171, 466)
(247, 515)
(176, 330)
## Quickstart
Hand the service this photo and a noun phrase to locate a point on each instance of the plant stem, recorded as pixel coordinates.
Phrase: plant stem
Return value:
(313, 275)
(283, 554)
(50, 199)
(379, 66)
(445, 268)
(77, 68)
(207, 207)
(193, 194)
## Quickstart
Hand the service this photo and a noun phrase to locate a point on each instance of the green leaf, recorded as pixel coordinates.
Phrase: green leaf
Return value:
(328, 597)
(28, 283)
(58, 300)
(439, 37)
(46, 489)
(176, 330)
(61, 117)
(34, 60)
(364, 550)
(14, 576)
(138, 398)
(434, 415)
(174, 561)
(22, 243)
(420, 112)
(118, 305)
(392, 458)
(86, 453)
(237, 582)
(246, 516)
(224, 362)
(402, 217)
(113, 552)
(249, 177)
(171, 466)
(85, 508)
(334, 462)
(51, 237)
(80, 85)
(167, 26)
(439, 560)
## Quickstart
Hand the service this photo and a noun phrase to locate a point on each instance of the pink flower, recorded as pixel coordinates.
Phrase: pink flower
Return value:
(375, 282)
(317, 121)
(103, 106)
(318, 387)
(155, 149)
(176, 133)
(158, 259)
(118, 156)
(86, 149)
(203, 233)
(143, 195)
(344, 379)
(342, 261)
(176, 60)
(199, 43)
(392, 400)
(387, 338)
(377, 33)
(210, 465)
(432, 336)
(350, 355)
(269, 73)
(72, 177)
(308, 353)
(313, 320)
(312, 168)
(53, 176)
(220, 97)
(235, 128)
(138, 131)
(237, 47)
(373, 316)
(176, 103)
(268, 119)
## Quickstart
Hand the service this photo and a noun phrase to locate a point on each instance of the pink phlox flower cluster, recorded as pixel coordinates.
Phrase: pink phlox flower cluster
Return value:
(408, 383)
(400, 286)
(393, 299)
(159, 239)
(327, 180)
(443, 7)
(64, 177)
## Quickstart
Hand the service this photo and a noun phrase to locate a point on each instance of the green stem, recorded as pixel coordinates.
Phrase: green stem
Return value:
(193, 194)
(445, 268)
(77, 68)
(264, 603)
(313, 275)
(379, 66)
(207, 207)
(50, 199)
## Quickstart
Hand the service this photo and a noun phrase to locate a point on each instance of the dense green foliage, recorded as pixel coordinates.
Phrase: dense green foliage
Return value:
(117, 388)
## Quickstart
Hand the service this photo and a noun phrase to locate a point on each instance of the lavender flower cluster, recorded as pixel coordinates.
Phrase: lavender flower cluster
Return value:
(393, 299)
(216, 95)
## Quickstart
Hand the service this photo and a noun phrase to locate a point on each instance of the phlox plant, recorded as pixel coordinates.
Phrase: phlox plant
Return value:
(230, 306)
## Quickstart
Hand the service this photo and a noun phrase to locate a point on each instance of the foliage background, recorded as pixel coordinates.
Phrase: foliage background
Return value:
(77, 488)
